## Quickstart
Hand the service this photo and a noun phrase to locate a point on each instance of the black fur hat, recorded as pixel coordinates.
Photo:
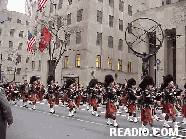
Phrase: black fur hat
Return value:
(108, 79)
(168, 78)
(93, 82)
(50, 78)
(33, 78)
(131, 82)
(69, 82)
(148, 80)
(185, 86)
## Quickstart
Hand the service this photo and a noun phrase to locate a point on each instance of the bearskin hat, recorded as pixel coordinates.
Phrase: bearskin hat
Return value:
(50, 78)
(167, 79)
(33, 78)
(69, 82)
(148, 80)
(131, 82)
(108, 79)
(93, 82)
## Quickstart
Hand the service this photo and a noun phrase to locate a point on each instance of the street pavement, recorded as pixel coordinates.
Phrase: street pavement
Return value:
(40, 124)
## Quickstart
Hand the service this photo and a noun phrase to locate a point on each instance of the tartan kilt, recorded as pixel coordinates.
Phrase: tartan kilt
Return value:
(94, 103)
(110, 110)
(169, 109)
(131, 108)
(78, 100)
(51, 99)
(64, 97)
(124, 101)
(183, 111)
(70, 104)
(89, 101)
(146, 116)
(32, 97)
(57, 98)
(40, 96)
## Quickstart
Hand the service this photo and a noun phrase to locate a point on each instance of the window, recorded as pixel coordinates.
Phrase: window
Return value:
(21, 34)
(168, 1)
(110, 42)
(70, 2)
(39, 68)
(120, 46)
(111, 20)
(78, 37)
(121, 25)
(0, 31)
(129, 27)
(99, 39)
(98, 61)
(129, 66)
(9, 68)
(109, 63)
(12, 32)
(19, 21)
(119, 65)
(27, 23)
(163, 3)
(9, 19)
(18, 59)
(10, 44)
(121, 3)
(36, 16)
(27, 59)
(35, 31)
(79, 15)
(20, 46)
(129, 10)
(51, 7)
(18, 71)
(68, 39)
(100, 0)
(43, 13)
(60, 4)
(69, 19)
(99, 16)
(111, 3)
(33, 64)
(78, 60)
(66, 64)
(59, 23)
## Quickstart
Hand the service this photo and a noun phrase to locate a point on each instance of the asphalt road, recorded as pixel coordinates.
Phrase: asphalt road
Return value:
(40, 124)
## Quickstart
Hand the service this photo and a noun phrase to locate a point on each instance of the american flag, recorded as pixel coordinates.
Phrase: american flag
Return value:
(31, 42)
(41, 4)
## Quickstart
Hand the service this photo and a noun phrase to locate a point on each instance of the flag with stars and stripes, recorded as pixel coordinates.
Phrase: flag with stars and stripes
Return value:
(41, 5)
(31, 42)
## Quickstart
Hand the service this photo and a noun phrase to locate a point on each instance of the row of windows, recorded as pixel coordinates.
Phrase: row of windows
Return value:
(33, 65)
(12, 32)
(98, 63)
(19, 46)
(18, 21)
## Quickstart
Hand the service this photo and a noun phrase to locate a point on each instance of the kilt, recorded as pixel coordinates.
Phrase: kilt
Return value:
(94, 104)
(40, 96)
(169, 109)
(183, 111)
(110, 110)
(64, 98)
(124, 101)
(24, 97)
(146, 116)
(89, 101)
(32, 97)
(57, 98)
(132, 108)
(51, 98)
(78, 100)
(70, 105)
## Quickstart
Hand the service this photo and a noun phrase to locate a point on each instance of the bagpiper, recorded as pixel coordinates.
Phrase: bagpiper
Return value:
(169, 94)
(34, 90)
(111, 99)
(93, 92)
(183, 111)
(146, 101)
(52, 89)
(25, 93)
(131, 100)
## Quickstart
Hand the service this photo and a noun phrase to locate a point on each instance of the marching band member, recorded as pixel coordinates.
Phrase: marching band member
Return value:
(34, 90)
(25, 93)
(169, 90)
(93, 91)
(52, 88)
(111, 98)
(184, 107)
(70, 96)
(146, 101)
(131, 99)
(39, 91)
